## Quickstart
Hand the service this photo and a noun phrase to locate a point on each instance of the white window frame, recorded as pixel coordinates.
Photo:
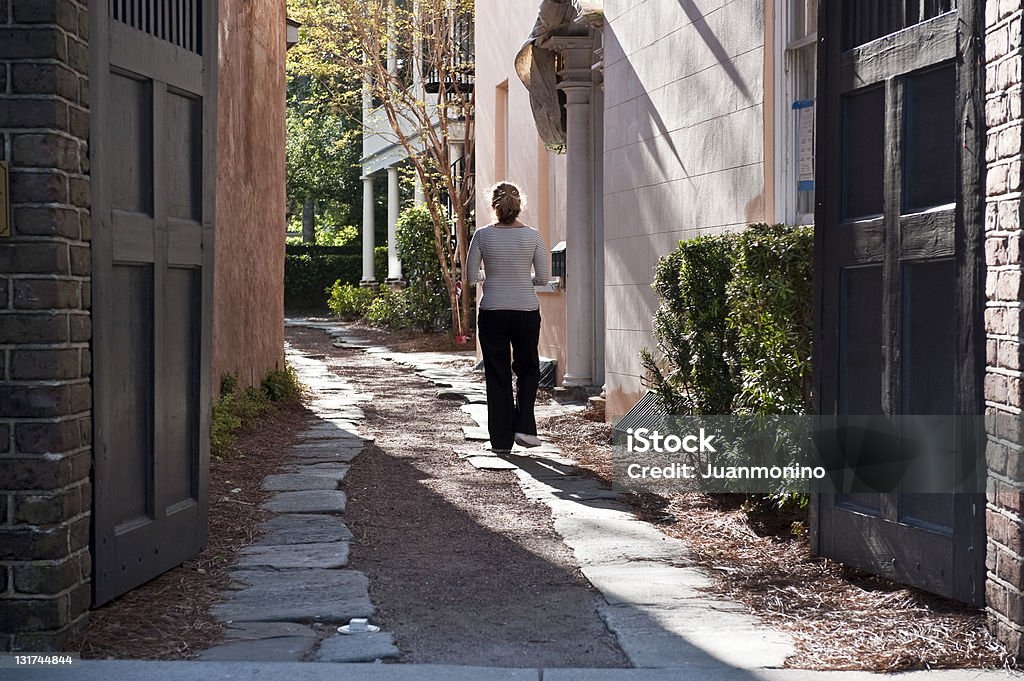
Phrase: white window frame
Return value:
(786, 132)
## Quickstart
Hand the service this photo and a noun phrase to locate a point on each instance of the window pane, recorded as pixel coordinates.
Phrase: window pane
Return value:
(863, 160)
(929, 157)
(860, 341)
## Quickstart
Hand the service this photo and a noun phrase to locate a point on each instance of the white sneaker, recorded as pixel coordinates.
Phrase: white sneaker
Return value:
(525, 440)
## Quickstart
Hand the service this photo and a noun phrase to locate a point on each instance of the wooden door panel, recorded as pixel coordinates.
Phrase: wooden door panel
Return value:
(153, 84)
(897, 234)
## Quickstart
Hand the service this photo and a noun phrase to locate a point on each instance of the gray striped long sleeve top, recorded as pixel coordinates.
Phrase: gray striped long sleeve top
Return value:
(508, 254)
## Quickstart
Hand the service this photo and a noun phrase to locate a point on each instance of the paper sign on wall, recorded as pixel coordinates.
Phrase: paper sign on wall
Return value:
(804, 110)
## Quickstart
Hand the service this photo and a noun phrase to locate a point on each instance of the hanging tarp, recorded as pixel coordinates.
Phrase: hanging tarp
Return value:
(535, 62)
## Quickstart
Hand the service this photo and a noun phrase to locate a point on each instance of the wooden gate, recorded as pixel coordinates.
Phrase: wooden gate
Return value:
(900, 266)
(153, 121)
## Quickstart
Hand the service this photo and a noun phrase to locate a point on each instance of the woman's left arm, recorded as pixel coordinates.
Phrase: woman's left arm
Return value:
(541, 263)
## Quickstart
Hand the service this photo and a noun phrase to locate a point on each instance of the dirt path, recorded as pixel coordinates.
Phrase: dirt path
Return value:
(463, 568)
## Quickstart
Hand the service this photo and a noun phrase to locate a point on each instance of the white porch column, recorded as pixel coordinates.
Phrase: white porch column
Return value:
(368, 274)
(419, 197)
(577, 83)
(394, 264)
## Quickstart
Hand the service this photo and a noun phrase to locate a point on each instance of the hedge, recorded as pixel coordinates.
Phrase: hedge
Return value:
(310, 270)
(734, 326)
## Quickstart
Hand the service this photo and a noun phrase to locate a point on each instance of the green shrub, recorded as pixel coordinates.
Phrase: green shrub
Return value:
(234, 410)
(380, 262)
(282, 385)
(734, 326)
(734, 329)
(389, 309)
(349, 302)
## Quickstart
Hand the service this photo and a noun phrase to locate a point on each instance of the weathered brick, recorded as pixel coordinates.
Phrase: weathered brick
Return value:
(5, 438)
(80, 327)
(35, 400)
(45, 79)
(80, 398)
(45, 579)
(79, 533)
(78, 55)
(33, 328)
(37, 614)
(17, 42)
(45, 150)
(36, 473)
(78, 192)
(79, 601)
(45, 364)
(42, 257)
(43, 294)
(33, 113)
(47, 509)
(44, 438)
(63, 222)
(4, 299)
(81, 261)
(60, 12)
(29, 543)
(38, 187)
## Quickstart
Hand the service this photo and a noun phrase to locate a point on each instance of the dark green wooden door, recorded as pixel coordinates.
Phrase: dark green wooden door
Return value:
(899, 267)
(153, 94)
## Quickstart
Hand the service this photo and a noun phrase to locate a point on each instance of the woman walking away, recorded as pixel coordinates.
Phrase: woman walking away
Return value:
(509, 317)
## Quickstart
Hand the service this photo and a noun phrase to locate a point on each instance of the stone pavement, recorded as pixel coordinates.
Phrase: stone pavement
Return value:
(110, 670)
(290, 591)
(654, 602)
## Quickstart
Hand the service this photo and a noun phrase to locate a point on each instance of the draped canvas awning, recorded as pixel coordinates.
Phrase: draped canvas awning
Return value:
(535, 62)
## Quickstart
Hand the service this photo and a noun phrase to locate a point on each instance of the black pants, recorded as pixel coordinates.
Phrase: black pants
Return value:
(500, 331)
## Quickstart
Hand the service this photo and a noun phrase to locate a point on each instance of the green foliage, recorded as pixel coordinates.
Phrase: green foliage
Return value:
(380, 262)
(349, 302)
(234, 410)
(770, 301)
(427, 294)
(309, 271)
(282, 385)
(734, 329)
(692, 329)
(389, 309)
(734, 326)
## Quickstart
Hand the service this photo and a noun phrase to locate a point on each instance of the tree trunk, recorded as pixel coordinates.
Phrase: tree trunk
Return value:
(308, 222)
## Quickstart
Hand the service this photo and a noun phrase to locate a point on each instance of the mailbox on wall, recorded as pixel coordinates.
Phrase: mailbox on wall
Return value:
(558, 260)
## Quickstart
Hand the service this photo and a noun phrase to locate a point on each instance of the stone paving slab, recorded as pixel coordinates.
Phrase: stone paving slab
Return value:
(326, 596)
(147, 670)
(367, 647)
(298, 528)
(332, 455)
(646, 584)
(295, 482)
(475, 433)
(327, 556)
(696, 635)
(263, 641)
(313, 501)
(491, 463)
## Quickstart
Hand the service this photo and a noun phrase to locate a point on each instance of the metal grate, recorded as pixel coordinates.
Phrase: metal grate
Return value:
(866, 20)
(179, 22)
(647, 413)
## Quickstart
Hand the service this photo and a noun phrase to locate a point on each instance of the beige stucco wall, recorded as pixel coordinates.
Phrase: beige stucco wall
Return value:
(684, 151)
(501, 29)
(248, 318)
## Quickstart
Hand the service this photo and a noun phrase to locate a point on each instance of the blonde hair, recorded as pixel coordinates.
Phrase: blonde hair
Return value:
(507, 201)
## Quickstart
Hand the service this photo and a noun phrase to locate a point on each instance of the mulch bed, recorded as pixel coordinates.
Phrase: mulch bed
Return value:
(169, 617)
(840, 618)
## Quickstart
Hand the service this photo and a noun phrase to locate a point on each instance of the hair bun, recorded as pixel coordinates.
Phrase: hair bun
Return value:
(506, 201)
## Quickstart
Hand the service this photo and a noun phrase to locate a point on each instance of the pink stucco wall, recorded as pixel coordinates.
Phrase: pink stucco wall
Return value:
(248, 331)
(501, 29)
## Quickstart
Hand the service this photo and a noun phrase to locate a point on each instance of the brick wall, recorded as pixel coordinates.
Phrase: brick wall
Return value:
(1003, 395)
(45, 289)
